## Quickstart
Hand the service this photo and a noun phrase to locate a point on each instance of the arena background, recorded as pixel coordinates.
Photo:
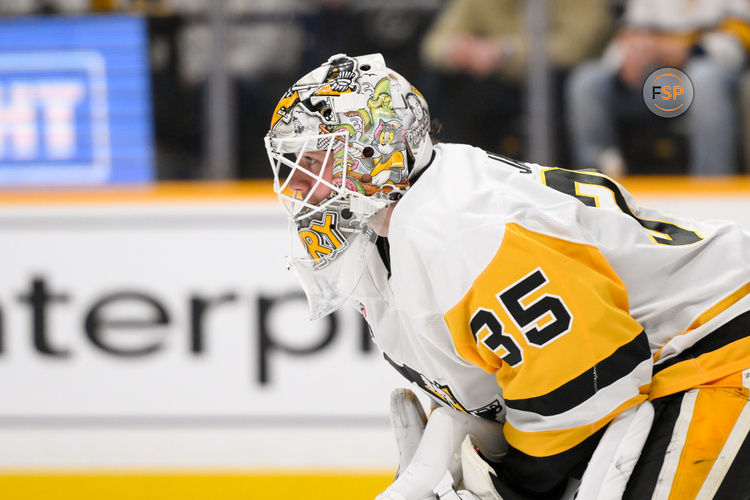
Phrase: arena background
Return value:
(152, 343)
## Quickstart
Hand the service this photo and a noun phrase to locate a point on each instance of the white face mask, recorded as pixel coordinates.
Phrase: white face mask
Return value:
(332, 237)
(343, 141)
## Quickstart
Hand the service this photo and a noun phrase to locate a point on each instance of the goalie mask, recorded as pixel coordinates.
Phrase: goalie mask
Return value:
(343, 144)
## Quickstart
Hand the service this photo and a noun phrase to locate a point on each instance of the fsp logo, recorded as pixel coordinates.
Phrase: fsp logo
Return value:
(668, 92)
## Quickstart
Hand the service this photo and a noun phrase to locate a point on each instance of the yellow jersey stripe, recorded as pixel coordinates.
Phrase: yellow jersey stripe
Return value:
(724, 351)
(714, 311)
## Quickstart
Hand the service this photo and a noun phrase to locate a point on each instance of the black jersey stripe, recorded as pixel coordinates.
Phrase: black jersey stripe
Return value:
(576, 391)
(736, 329)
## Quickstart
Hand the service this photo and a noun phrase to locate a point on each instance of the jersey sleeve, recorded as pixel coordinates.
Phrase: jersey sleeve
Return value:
(550, 319)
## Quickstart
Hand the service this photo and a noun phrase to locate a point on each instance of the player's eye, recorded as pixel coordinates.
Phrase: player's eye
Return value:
(309, 161)
(312, 164)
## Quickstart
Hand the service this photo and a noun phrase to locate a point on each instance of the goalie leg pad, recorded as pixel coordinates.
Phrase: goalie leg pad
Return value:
(618, 451)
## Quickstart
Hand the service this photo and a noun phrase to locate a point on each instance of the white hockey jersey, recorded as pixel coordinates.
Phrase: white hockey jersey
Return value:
(550, 294)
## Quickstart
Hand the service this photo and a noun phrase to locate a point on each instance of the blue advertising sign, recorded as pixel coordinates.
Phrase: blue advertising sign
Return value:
(74, 101)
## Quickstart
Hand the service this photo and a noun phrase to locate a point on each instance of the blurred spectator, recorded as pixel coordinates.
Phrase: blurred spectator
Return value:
(707, 39)
(264, 49)
(264, 41)
(269, 43)
(272, 42)
(394, 28)
(480, 50)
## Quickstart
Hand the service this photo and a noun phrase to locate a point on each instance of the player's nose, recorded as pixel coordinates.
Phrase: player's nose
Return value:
(300, 182)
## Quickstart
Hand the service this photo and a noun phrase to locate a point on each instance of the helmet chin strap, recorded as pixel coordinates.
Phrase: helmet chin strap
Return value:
(367, 206)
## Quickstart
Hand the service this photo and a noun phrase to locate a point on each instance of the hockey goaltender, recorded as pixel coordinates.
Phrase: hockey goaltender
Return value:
(571, 339)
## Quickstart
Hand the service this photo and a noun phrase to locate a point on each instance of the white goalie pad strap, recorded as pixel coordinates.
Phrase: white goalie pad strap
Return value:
(477, 473)
(618, 451)
(445, 490)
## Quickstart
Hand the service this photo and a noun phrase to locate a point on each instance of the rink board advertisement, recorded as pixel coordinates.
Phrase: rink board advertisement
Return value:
(166, 313)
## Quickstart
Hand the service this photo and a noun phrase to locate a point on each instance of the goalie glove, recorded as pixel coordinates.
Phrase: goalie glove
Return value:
(408, 421)
(428, 452)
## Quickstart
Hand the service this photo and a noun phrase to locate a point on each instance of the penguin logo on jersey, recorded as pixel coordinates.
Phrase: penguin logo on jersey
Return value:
(491, 411)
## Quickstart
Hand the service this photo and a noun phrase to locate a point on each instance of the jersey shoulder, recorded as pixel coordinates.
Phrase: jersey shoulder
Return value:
(455, 217)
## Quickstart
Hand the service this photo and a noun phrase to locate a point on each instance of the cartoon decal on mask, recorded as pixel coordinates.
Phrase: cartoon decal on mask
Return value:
(342, 74)
(390, 165)
(361, 122)
(284, 108)
(415, 130)
(384, 121)
(380, 104)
